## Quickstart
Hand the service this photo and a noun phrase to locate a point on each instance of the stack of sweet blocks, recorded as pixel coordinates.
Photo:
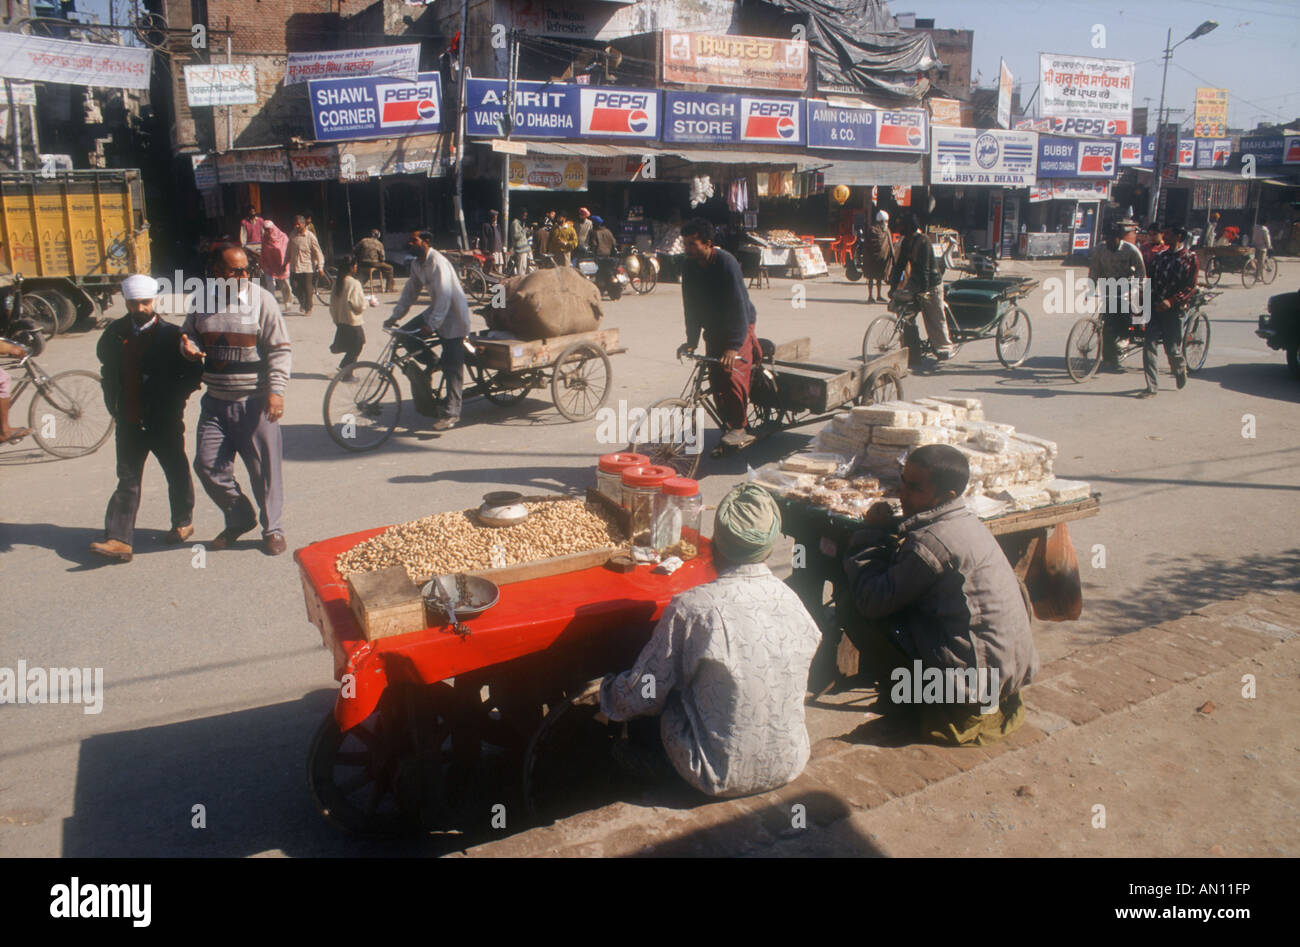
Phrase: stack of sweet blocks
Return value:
(1008, 470)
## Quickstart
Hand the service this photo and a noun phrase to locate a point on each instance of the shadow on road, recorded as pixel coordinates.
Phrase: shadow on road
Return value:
(1260, 381)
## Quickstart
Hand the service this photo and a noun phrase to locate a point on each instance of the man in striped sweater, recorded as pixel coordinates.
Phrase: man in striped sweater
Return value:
(242, 340)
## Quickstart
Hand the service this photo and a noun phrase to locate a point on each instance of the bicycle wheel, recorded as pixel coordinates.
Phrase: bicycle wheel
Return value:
(1249, 274)
(68, 417)
(362, 405)
(1213, 271)
(1269, 272)
(475, 284)
(671, 435)
(1196, 341)
(647, 277)
(38, 310)
(1083, 350)
(1014, 336)
(580, 380)
(881, 338)
(325, 285)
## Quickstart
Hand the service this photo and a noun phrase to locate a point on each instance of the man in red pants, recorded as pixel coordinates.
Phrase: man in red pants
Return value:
(717, 303)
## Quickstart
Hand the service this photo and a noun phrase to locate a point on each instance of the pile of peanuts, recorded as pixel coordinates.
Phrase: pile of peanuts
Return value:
(456, 542)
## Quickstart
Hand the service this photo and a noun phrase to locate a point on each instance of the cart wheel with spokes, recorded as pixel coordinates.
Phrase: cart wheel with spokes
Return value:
(569, 766)
(671, 435)
(506, 388)
(1083, 349)
(1196, 342)
(581, 380)
(68, 417)
(386, 775)
(1249, 273)
(475, 284)
(883, 385)
(647, 277)
(324, 284)
(1014, 335)
(1213, 271)
(881, 338)
(362, 405)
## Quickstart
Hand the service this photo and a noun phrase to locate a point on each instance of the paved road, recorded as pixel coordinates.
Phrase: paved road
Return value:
(215, 680)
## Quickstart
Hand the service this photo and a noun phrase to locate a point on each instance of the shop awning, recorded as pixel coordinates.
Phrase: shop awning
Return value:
(695, 155)
(894, 170)
(587, 149)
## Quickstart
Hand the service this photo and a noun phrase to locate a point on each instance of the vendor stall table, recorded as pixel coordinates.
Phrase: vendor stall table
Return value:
(415, 712)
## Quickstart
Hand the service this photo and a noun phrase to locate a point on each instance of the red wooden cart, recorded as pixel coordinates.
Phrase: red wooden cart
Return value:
(420, 718)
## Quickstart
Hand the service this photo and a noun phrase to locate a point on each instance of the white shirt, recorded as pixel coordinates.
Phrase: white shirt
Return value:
(729, 664)
(449, 314)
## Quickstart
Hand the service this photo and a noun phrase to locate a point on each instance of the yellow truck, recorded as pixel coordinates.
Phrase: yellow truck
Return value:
(72, 236)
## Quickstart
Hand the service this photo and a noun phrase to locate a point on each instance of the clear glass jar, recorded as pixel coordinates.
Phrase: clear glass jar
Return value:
(609, 473)
(677, 512)
(640, 487)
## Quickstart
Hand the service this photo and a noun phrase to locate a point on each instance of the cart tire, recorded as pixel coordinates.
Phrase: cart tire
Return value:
(362, 406)
(65, 310)
(68, 417)
(884, 385)
(1269, 273)
(37, 310)
(568, 767)
(881, 338)
(581, 381)
(506, 388)
(1196, 342)
(1213, 271)
(1014, 336)
(672, 453)
(1083, 350)
(1249, 274)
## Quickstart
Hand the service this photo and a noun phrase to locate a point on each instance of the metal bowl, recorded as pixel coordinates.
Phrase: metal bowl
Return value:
(476, 598)
(502, 508)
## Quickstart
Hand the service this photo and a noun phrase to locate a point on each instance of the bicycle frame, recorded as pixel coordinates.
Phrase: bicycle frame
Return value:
(696, 392)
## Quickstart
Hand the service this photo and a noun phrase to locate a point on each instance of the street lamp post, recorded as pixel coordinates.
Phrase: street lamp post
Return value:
(1201, 30)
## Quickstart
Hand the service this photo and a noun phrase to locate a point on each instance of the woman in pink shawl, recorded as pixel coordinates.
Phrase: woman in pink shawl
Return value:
(274, 265)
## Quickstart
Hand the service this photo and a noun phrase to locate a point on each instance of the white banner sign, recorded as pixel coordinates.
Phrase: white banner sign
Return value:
(223, 84)
(1065, 189)
(90, 64)
(317, 164)
(24, 93)
(269, 165)
(1080, 87)
(983, 158)
(1004, 96)
(401, 61)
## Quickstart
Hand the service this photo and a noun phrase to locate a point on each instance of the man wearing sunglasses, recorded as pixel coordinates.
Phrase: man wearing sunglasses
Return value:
(244, 345)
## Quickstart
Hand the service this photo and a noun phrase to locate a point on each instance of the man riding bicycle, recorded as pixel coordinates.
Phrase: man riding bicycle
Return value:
(924, 287)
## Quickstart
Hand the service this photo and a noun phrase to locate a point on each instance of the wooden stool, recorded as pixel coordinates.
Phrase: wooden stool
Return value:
(760, 277)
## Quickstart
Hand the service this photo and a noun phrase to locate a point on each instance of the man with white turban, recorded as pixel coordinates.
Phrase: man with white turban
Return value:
(726, 669)
(146, 384)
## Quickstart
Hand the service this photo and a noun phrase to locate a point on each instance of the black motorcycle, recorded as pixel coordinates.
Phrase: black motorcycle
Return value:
(607, 272)
(1281, 328)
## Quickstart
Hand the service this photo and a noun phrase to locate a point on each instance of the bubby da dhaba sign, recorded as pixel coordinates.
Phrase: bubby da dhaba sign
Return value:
(719, 118)
(375, 106)
(990, 158)
(561, 110)
(1076, 158)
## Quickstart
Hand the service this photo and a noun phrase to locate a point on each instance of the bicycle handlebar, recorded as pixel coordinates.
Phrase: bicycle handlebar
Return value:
(699, 358)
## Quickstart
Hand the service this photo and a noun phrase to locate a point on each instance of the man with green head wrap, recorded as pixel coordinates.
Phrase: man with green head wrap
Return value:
(727, 667)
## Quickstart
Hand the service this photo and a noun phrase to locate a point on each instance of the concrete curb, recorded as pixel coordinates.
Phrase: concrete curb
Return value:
(845, 777)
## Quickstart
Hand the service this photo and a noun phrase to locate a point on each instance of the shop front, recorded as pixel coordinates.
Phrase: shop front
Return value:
(978, 179)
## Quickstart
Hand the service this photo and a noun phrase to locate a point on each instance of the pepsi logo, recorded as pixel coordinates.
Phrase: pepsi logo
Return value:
(1292, 151)
(785, 127)
(638, 121)
(914, 137)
